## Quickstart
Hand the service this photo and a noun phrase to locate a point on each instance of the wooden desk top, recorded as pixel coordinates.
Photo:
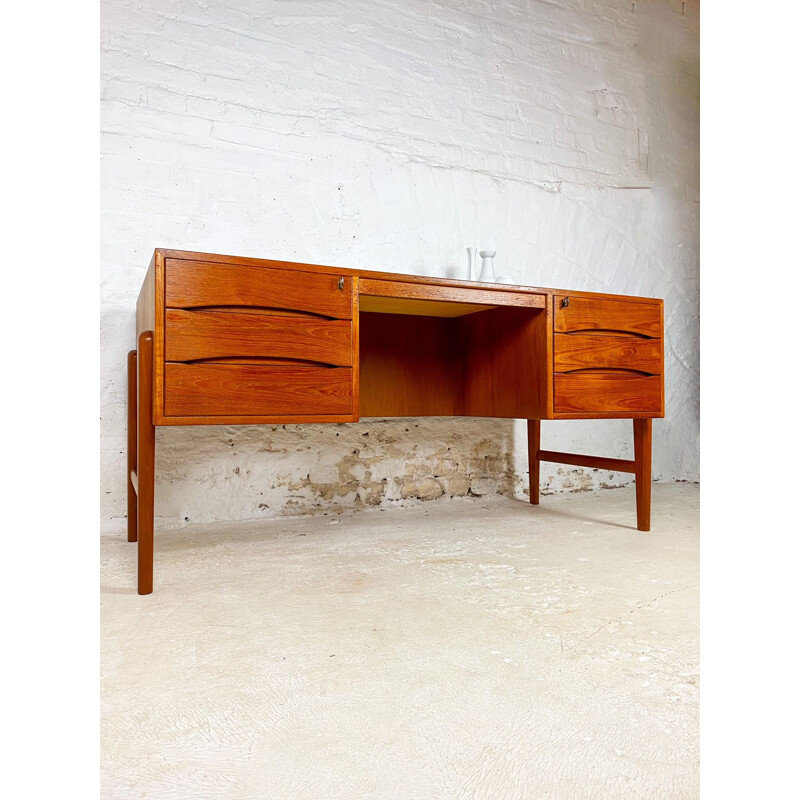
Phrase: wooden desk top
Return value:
(379, 275)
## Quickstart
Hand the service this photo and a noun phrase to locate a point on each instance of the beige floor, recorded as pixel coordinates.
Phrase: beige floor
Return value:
(470, 649)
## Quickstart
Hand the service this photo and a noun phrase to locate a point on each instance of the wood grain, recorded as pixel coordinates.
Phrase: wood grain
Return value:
(583, 314)
(593, 462)
(146, 301)
(642, 447)
(410, 366)
(617, 393)
(663, 399)
(285, 417)
(193, 284)
(489, 364)
(607, 414)
(356, 352)
(132, 445)
(247, 390)
(534, 459)
(597, 350)
(145, 462)
(449, 294)
(150, 317)
(373, 274)
(546, 343)
(504, 371)
(194, 335)
(422, 308)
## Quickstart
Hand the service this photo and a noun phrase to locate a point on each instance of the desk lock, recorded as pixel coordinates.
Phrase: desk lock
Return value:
(341, 283)
(564, 302)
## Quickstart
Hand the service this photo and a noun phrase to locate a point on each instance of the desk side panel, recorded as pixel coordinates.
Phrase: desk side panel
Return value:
(356, 353)
(146, 302)
(507, 359)
(150, 317)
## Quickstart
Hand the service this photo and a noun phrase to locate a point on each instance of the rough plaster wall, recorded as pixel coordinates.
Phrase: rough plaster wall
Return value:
(393, 135)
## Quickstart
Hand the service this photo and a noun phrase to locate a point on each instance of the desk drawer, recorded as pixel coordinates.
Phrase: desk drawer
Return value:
(606, 393)
(204, 334)
(591, 313)
(197, 284)
(242, 390)
(573, 351)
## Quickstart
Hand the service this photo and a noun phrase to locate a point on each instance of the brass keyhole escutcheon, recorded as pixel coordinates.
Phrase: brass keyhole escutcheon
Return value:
(341, 283)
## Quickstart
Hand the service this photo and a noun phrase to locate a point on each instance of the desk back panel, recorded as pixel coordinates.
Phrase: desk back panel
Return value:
(410, 366)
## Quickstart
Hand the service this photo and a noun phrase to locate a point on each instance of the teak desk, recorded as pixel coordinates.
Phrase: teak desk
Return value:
(233, 341)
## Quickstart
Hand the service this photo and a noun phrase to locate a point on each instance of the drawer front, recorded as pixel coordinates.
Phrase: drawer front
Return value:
(241, 390)
(573, 351)
(606, 393)
(198, 335)
(588, 314)
(436, 293)
(197, 284)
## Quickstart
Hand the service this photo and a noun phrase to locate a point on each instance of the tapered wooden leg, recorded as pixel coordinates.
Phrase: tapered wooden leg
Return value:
(132, 413)
(145, 461)
(642, 448)
(534, 432)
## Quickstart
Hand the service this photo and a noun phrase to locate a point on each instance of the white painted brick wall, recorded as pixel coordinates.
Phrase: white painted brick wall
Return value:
(393, 135)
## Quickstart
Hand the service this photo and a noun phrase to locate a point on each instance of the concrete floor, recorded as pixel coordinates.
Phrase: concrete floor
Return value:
(466, 649)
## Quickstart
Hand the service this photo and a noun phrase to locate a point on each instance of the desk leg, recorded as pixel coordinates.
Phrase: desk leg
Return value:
(132, 413)
(642, 449)
(534, 431)
(145, 461)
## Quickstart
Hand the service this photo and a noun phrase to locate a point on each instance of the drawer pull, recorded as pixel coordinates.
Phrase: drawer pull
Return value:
(605, 371)
(341, 283)
(564, 302)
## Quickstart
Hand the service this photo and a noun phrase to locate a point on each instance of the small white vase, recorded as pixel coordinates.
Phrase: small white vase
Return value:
(472, 253)
(487, 266)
